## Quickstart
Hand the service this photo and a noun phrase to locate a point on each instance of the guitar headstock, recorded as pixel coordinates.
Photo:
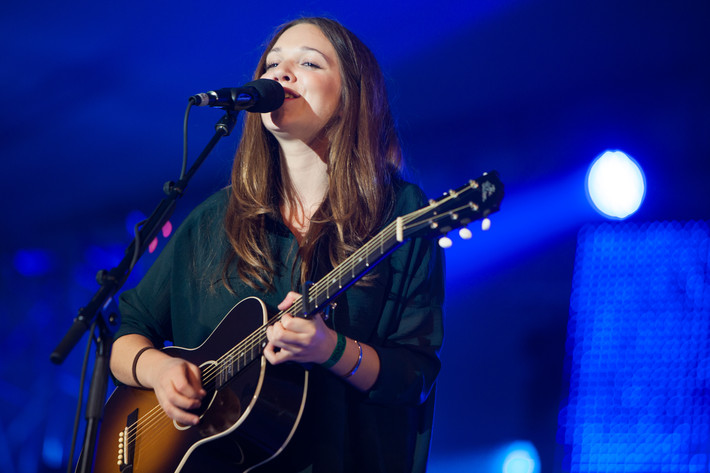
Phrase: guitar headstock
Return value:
(473, 201)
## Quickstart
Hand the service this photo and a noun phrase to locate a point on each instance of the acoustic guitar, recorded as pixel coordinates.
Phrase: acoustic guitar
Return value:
(253, 408)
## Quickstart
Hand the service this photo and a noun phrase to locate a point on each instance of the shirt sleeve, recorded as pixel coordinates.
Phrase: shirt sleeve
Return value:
(410, 332)
(145, 309)
(168, 297)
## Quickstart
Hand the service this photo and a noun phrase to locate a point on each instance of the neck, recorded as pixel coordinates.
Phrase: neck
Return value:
(308, 175)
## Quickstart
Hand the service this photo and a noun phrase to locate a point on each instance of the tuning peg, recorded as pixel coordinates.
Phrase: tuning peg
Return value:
(485, 224)
(445, 242)
(465, 233)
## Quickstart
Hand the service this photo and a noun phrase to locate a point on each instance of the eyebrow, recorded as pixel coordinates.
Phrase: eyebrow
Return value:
(302, 48)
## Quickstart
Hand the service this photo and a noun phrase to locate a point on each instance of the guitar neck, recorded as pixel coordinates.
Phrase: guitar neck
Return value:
(319, 294)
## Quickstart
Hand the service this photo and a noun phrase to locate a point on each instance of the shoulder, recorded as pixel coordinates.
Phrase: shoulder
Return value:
(204, 223)
(408, 197)
(214, 204)
(210, 210)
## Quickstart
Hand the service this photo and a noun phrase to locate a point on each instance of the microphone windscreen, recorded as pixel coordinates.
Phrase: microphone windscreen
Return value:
(271, 95)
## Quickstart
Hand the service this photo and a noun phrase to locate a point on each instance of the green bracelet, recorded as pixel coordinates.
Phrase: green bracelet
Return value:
(337, 353)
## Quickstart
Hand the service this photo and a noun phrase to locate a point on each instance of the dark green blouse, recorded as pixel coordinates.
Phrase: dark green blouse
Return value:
(387, 429)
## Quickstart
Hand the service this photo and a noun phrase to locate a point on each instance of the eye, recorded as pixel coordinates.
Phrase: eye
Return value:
(311, 64)
(271, 65)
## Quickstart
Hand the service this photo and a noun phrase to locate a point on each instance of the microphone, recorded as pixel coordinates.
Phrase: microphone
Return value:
(260, 96)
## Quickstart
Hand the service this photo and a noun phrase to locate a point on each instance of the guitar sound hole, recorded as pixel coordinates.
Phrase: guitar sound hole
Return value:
(226, 413)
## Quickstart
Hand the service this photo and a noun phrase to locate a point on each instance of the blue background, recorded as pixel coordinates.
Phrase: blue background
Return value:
(92, 126)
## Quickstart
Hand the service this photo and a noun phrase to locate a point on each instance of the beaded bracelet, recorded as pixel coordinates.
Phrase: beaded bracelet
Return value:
(357, 365)
(337, 353)
(135, 364)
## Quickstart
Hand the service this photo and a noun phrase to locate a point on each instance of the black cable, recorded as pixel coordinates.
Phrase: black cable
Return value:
(82, 380)
(190, 103)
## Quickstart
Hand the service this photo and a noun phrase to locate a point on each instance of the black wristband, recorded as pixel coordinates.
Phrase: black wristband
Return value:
(135, 364)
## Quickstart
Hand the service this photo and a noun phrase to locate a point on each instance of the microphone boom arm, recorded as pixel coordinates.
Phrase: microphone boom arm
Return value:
(110, 282)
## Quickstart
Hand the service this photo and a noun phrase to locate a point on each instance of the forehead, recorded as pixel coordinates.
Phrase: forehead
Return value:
(306, 36)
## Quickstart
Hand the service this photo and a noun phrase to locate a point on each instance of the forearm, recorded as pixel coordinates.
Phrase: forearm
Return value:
(123, 355)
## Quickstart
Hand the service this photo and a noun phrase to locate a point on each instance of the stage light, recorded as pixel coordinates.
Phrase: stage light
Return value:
(167, 229)
(521, 457)
(132, 219)
(616, 185)
(52, 452)
(638, 350)
(34, 262)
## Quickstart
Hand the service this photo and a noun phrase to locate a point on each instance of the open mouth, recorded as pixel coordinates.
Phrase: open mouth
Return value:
(289, 94)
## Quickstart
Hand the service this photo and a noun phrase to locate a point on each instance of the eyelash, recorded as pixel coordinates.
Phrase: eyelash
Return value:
(306, 63)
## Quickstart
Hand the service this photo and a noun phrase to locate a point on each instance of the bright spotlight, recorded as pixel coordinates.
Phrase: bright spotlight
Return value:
(521, 457)
(616, 185)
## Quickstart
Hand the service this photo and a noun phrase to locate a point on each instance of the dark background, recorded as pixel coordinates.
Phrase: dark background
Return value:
(91, 122)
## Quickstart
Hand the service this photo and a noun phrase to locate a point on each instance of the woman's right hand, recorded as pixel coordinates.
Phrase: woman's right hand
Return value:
(177, 385)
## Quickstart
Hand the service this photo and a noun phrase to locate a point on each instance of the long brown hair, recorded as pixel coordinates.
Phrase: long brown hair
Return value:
(364, 157)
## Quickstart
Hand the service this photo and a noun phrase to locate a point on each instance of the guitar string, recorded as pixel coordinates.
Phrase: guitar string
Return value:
(148, 438)
(150, 419)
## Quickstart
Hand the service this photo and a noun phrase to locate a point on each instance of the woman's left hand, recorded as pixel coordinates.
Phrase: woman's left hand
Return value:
(298, 339)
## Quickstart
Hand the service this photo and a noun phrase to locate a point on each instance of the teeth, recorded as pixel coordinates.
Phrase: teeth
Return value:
(289, 95)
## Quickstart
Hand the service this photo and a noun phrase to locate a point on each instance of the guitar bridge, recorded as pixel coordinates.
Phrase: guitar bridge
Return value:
(127, 444)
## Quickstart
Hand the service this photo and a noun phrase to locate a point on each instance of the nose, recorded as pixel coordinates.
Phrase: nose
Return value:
(282, 73)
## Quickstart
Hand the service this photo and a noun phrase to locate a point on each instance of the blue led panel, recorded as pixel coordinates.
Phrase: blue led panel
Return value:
(638, 350)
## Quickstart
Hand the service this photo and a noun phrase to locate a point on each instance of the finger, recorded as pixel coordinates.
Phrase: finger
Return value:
(289, 340)
(190, 385)
(183, 401)
(298, 324)
(288, 300)
(287, 321)
(273, 356)
(176, 406)
(274, 332)
(181, 416)
(195, 381)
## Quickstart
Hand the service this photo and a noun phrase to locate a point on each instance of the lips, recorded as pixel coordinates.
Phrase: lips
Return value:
(290, 94)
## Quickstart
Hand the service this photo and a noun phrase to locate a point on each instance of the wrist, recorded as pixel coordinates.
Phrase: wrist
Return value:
(356, 366)
(134, 369)
(337, 352)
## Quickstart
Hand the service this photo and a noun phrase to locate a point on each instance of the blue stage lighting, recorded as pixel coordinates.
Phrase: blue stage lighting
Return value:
(35, 262)
(132, 219)
(638, 350)
(521, 457)
(52, 452)
(616, 185)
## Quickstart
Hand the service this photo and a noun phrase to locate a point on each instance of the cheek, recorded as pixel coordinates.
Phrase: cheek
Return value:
(332, 99)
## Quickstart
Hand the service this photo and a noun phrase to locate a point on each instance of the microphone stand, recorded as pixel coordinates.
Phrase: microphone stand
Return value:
(110, 282)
